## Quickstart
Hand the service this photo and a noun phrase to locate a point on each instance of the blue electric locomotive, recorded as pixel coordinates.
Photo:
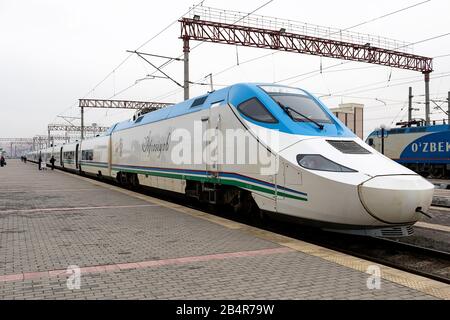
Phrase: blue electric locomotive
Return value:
(424, 149)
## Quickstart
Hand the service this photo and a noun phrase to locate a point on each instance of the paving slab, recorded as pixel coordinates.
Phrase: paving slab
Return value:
(132, 246)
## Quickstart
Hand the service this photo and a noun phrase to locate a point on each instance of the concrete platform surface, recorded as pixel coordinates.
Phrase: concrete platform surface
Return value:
(126, 245)
(441, 197)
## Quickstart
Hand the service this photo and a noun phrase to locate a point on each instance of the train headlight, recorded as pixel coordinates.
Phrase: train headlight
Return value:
(320, 163)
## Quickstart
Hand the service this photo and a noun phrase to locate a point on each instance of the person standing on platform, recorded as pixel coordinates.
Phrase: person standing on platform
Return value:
(40, 162)
(2, 161)
(52, 161)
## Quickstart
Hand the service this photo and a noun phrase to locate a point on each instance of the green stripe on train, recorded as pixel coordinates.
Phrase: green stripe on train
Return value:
(94, 165)
(224, 181)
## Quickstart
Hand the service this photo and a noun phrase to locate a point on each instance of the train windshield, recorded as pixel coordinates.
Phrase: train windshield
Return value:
(302, 107)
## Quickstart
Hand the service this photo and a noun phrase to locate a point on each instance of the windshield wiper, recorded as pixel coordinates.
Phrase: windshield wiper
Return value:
(288, 112)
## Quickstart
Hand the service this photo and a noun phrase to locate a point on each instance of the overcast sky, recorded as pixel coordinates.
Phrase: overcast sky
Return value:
(54, 52)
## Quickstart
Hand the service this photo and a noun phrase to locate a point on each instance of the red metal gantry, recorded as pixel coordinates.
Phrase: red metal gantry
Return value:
(121, 104)
(201, 30)
(144, 106)
(265, 37)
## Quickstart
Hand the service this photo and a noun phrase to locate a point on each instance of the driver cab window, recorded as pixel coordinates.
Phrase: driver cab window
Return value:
(255, 110)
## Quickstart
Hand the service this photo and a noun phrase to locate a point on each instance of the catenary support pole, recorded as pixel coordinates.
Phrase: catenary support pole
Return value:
(186, 67)
(427, 98)
(448, 109)
(410, 97)
(82, 123)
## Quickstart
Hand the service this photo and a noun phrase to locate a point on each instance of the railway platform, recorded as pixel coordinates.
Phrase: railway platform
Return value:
(442, 193)
(441, 198)
(63, 236)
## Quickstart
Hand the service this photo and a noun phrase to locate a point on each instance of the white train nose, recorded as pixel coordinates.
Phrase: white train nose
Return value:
(396, 199)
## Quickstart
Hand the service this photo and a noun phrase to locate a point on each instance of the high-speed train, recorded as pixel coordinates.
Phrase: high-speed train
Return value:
(265, 148)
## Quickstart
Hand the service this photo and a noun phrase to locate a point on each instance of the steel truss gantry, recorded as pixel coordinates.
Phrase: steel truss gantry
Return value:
(117, 104)
(217, 28)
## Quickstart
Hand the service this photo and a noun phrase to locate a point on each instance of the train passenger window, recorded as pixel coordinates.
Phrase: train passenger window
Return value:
(255, 110)
(69, 155)
(87, 155)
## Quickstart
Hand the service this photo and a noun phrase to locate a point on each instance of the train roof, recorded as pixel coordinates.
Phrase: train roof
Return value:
(235, 94)
(223, 95)
(189, 106)
(430, 129)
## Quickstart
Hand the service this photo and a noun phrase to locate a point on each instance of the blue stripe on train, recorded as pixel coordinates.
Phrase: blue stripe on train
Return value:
(221, 174)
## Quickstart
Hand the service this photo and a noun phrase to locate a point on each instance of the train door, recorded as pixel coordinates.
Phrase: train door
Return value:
(109, 157)
(76, 156)
(288, 177)
(278, 181)
(213, 147)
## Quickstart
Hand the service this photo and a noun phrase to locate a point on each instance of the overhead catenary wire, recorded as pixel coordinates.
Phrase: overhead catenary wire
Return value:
(254, 59)
(170, 61)
(396, 85)
(112, 72)
(386, 15)
(121, 91)
(272, 53)
(198, 81)
(442, 56)
(317, 72)
(201, 43)
(432, 38)
(352, 27)
(384, 81)
(144, 44)
(339, 64)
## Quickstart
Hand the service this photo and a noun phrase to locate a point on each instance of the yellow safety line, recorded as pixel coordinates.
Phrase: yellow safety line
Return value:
(432, 226)
(422, 284)
(440, 208)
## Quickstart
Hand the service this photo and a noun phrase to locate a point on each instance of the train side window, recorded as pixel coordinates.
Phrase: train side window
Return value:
(87, 155)
(255, 110)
